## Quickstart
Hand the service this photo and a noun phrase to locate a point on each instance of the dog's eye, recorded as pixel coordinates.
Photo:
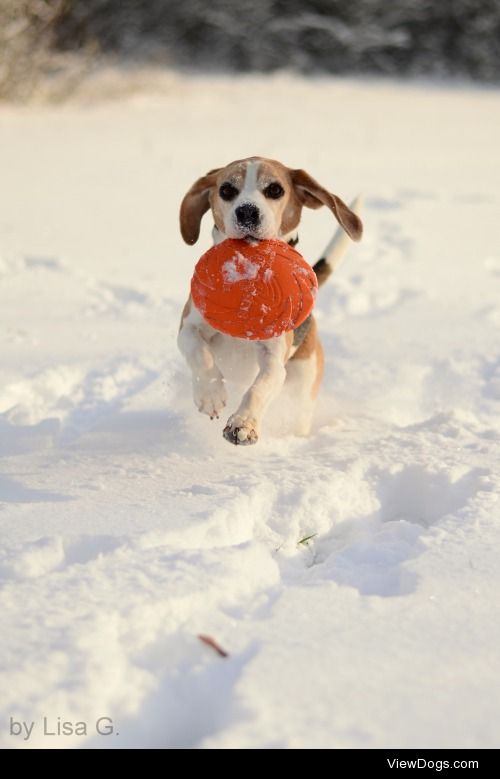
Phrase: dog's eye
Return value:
(274, 191)
(227, 191)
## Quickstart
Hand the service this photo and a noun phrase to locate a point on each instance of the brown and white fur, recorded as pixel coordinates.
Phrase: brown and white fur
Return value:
(257, 198)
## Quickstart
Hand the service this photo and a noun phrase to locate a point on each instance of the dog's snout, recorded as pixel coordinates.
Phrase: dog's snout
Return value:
(247, 215)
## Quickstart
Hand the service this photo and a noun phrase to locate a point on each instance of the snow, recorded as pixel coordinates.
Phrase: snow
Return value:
(239, 268)
(130, 527)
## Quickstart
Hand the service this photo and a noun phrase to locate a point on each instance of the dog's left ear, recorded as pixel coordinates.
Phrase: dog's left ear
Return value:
(195, 203)
(313, 195)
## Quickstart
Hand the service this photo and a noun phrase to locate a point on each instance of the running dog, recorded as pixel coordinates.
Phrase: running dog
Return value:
(259, 198)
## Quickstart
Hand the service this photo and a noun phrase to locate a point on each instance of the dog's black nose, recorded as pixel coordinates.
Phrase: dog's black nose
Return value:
(247, 215)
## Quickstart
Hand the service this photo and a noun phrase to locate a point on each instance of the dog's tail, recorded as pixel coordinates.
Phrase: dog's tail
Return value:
(336, 249)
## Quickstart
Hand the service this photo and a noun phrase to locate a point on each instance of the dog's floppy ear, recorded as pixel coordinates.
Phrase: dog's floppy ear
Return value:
(313, 195)
(195, 203)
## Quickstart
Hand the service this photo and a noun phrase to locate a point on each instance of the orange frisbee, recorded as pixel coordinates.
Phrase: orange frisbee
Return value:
(253, 289)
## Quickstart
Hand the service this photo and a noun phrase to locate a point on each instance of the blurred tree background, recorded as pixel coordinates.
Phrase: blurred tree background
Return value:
(404, 37)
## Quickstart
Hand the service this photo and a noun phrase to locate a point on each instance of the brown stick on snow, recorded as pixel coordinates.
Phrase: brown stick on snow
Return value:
(209, 641)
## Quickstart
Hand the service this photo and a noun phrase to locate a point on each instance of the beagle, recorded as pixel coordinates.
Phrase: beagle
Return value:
(258, 198)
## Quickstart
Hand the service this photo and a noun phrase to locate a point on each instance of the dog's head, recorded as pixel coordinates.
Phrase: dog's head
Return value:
(259, 198)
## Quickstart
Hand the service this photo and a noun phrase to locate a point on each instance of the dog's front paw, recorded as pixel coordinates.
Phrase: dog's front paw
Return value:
(241, 431)
(210, 396)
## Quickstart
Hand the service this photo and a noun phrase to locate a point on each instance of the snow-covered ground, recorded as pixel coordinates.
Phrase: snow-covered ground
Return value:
(129, 526)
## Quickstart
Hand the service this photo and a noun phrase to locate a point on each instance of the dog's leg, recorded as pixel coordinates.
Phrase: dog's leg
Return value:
(301, 380)
(243, 427)
(209, 392)
(304, 372)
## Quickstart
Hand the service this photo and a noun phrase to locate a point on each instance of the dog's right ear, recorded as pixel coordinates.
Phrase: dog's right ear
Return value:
(196, 203)
(313, 195)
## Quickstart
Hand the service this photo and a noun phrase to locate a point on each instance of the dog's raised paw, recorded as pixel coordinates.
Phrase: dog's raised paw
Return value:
(240, 432)
(210, 397)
